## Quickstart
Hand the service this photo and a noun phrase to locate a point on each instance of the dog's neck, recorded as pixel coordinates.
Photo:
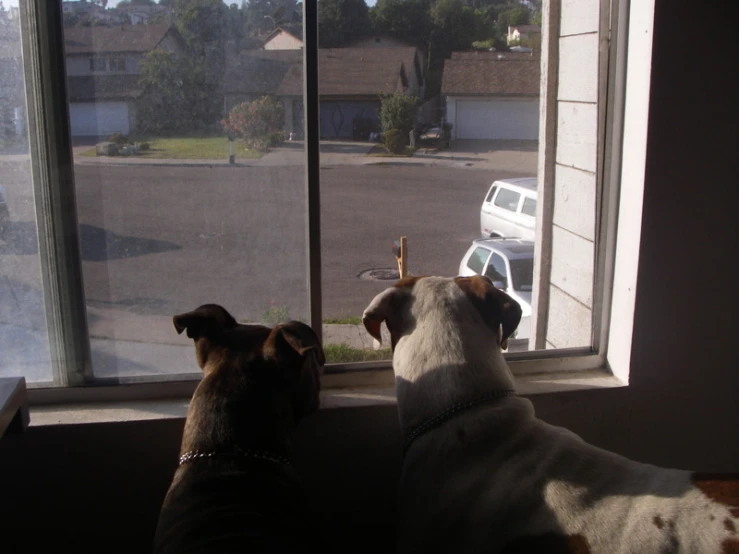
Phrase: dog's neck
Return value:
(437, 369)
(256, 421)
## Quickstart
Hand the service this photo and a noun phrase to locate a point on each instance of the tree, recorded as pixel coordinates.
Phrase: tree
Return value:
(341, 22)
(407, 20)
(177, 97)
(517, 15)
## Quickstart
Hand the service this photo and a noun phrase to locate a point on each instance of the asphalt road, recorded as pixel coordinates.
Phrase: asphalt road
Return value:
(161, 240)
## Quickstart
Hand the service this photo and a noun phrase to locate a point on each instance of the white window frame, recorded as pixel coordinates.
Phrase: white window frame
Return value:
(623, 145)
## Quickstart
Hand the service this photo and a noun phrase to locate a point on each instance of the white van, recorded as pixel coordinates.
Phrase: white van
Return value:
(509, 209)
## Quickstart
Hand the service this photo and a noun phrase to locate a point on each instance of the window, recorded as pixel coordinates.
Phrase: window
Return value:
(492, 192)
(477, 259)
(97, 263)
(529, 206)
(497, 270)
(507, 199)
(98, 64)
(117, 64)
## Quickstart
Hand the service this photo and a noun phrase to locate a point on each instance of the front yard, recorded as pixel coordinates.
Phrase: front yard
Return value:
(188, 148)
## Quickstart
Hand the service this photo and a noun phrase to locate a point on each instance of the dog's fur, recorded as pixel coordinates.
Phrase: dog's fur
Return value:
(257, 384)
(494, 478)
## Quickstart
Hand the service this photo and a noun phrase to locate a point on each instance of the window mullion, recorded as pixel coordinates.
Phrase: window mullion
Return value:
(311, 127)
(54, 191)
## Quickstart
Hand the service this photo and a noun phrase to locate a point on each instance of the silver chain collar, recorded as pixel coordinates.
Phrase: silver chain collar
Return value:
(449, 413)
(236, 452)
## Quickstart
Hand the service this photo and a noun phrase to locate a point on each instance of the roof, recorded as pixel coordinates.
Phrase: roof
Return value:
(512, 248)
(490, 76)
(123, 38)
(523, 182)
(527, 28)
(295, 31)
(103, 87)
(342, 71)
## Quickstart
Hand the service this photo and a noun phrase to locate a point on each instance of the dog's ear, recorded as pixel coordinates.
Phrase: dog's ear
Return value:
(498, 310)
(204, 321)
(378, 311)
(296, 350)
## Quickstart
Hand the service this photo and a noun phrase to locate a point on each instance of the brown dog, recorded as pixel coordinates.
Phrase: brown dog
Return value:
(235, 488)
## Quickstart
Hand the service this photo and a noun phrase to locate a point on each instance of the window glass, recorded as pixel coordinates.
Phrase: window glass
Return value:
(497, 270)
(492, 192)
(24, 345)
(522, 273)
(477, 259)
(507, 199)
(529, 206)
(166, 221)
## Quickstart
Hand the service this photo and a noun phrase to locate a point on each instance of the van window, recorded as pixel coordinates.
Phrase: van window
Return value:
(507, 199)
(477, 259)
(497, 270)
(529, 207)
(491, 194)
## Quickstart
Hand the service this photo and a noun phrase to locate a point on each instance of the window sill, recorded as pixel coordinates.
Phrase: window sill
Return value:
(380, 393)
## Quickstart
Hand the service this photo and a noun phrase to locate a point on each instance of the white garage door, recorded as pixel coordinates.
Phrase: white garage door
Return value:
(98, 118)
(497, 119)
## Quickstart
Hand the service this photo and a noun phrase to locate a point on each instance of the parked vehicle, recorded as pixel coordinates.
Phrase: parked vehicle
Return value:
(509, 209)
(509, 264)
(4, 213)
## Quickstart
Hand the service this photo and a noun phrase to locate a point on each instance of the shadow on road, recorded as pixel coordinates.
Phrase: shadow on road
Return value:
(97, 244)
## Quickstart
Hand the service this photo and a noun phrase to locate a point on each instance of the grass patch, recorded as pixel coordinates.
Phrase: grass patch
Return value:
(378, 151)
(189, 148)
(343, 353)
(343, 320)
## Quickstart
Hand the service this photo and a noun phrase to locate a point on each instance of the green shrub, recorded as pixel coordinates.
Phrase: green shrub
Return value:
(395, 141)
(144, 147)
(118, 138)
(398, 111)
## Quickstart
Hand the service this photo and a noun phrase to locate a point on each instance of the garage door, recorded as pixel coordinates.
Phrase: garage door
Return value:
(497, 119)
(98, 118)
(341, 119)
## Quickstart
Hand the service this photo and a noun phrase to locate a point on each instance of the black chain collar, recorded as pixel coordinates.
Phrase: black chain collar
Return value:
(236, 452)
(449, 413)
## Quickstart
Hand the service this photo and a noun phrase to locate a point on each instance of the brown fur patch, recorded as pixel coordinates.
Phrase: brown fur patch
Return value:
(722, 489)
(729, 525)
(408, 282)
(548, 543)
(495, 306)
(658, 522)
(730, 546)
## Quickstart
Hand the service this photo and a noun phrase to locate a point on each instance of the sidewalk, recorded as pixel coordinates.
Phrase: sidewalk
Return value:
(510, 156)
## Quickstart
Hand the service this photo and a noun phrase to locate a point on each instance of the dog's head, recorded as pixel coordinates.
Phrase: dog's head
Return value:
(288, 357)
(447, 301)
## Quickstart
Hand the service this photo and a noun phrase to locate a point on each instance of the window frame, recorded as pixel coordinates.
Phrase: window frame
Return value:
(53, 182)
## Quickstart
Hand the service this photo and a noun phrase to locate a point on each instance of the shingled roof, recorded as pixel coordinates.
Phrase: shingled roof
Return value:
(489, 75)
(342, 71)
(124, 38)
(103, 87)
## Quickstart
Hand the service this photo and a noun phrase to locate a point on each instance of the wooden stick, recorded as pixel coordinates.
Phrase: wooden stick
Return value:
(403, 260)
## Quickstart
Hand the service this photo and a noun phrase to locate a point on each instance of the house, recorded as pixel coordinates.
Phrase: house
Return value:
(351, 83)
(492, 95)
(103, 66)
(379, 41)
(283, 39)
(520, 33)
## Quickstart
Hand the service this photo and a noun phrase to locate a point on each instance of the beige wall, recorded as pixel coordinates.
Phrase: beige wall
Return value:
(98, 487)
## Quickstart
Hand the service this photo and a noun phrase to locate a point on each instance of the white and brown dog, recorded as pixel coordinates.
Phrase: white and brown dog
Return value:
(482, 474)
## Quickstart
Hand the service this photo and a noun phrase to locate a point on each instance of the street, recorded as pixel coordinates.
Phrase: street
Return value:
(156, 241)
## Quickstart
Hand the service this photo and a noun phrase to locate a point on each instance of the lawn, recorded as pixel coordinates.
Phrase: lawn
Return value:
(189, 148)
(343, 353)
